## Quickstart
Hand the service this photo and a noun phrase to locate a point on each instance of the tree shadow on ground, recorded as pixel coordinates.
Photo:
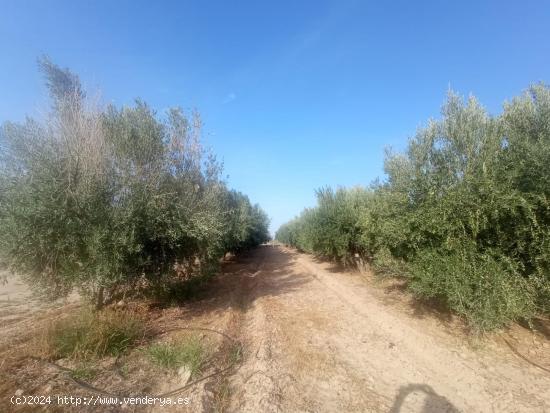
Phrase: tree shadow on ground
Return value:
(334, 267)
(433, 402)
(395, 293)
(264, 271)
(539, 325)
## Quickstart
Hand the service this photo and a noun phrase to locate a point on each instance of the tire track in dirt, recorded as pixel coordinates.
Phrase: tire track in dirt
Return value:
(319, 341)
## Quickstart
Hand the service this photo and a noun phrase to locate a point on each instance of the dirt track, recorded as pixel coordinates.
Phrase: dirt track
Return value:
(316, 339)
(320, 340)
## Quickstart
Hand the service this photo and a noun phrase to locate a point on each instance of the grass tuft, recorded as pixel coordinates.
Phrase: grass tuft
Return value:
(235, 354)
(173, 355)
(84, 372)
(88, 335)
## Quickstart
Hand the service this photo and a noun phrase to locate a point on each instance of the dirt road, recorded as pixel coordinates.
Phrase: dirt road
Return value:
(320, 340)
(314, 338)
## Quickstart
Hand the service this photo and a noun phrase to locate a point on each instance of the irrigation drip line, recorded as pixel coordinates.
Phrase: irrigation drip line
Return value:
(517, 353)
(89, 387)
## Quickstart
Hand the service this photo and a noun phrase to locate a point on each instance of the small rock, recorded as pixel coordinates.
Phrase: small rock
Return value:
(545, 345)
(64, 363)
(185, 374)
(18, 392)
(121, 303)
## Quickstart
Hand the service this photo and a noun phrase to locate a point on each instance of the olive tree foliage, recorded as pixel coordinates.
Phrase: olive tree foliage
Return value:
(333, 228)
(99, 199)
(247, 225)
(463, 214)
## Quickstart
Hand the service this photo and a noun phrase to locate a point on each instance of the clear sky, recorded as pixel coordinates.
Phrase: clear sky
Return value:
(294, 95)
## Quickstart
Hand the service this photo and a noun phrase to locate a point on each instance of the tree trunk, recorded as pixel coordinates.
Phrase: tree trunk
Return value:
(100, 299)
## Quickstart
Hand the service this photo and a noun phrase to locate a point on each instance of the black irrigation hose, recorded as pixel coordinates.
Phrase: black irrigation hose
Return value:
(173, 392)
(517, 353)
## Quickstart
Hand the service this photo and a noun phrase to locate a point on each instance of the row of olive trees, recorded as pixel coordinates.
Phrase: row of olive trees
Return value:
(464, 213)
(102, 199)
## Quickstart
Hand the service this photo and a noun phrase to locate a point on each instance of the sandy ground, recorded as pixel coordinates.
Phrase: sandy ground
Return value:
(18, 304)
(17, 300)
(321, 340)
(315, 339)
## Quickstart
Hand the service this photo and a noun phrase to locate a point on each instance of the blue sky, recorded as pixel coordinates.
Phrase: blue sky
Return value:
(294, 95)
